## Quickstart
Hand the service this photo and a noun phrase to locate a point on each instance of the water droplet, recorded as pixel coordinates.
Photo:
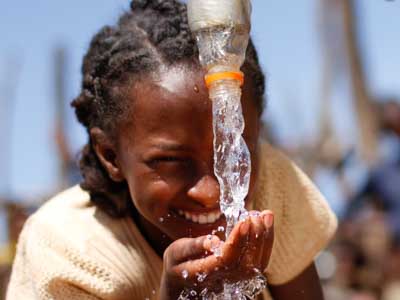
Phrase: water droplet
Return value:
(254, 213)
(161, 219)
(201, 276)
(185, 274)
(217, 249)
(196, 88)
(203, 293)
(184, 295)
(256, 235)
(221, 229)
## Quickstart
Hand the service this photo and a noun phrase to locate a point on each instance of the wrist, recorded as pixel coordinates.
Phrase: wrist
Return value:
(169, 290)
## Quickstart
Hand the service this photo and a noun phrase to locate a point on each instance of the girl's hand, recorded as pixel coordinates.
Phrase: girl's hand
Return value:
(190, 262)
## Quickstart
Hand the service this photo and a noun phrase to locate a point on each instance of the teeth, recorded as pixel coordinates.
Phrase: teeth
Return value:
(195, 218)
(213, 217)
(200, 218)
(203, 219)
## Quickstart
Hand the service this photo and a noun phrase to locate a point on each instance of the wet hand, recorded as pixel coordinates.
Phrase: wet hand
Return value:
(191, 263)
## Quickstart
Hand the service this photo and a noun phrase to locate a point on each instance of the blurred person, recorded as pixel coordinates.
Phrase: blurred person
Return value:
(361, 250)
(348, 259)
(382, 187)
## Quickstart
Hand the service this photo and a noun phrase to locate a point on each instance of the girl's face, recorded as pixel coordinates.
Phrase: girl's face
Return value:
(165, 151)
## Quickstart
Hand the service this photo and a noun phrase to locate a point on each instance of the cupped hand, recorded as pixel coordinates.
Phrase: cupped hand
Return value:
(193, 263)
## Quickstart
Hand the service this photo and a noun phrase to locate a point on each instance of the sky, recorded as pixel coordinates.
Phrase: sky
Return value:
(286, 34)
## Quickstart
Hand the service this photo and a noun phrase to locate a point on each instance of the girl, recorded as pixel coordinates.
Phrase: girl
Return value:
(137, 226)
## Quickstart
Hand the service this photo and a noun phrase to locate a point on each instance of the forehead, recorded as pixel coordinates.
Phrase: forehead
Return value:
(168, 101)
(174, 103)
(171, 94)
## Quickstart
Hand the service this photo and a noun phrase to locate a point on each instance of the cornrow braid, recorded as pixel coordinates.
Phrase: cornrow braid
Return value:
(152, 33)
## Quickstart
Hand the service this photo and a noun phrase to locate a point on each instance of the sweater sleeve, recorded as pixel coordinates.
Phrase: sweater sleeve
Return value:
(304, 222)
(70, 249)
(49, 268)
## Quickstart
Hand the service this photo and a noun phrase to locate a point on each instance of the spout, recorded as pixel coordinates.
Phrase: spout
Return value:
(221, 28)
(209, 13)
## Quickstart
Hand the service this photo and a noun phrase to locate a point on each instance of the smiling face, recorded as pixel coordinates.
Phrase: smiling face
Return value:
(165, 151)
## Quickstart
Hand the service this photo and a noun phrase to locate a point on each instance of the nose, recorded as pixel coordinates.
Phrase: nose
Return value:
(205, 191)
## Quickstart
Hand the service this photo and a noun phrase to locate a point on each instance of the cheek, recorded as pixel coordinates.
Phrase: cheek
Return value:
(151, 198)
(254, 173)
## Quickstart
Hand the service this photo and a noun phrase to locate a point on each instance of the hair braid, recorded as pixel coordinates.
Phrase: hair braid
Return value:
(153, 32)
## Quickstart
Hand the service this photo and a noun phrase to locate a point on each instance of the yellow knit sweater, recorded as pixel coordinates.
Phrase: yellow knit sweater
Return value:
(70, 249)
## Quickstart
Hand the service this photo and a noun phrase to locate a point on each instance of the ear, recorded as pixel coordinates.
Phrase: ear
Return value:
(105, 151)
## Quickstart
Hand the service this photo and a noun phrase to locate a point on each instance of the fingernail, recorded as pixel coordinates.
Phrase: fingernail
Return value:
(268, 220)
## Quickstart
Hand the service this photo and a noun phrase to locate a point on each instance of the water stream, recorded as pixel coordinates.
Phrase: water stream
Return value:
(232, 164)
(221, 28)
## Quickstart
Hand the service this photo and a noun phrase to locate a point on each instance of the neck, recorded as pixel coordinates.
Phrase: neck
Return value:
(156, 238)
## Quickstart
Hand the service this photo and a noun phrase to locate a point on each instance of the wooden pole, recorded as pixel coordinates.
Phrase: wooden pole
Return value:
(60, 98)
(366, 115)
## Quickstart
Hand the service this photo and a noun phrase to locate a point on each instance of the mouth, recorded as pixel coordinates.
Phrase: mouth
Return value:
(200, 218)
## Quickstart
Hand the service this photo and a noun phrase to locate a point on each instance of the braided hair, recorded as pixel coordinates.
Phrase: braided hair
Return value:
(152, 33)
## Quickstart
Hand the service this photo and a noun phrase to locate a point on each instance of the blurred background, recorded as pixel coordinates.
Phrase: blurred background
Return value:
(333, 91)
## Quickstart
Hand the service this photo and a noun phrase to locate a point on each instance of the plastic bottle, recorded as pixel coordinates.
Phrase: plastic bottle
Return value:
(222, 29)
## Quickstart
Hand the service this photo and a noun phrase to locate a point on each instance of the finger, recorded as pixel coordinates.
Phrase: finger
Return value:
(189, 248)
(257, 227)
(251, 256)
(230, 252)
(236, 243)
(255, 247)
(268, 220)
(205, 266)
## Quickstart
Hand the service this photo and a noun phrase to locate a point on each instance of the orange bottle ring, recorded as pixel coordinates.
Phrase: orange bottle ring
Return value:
(210, 78)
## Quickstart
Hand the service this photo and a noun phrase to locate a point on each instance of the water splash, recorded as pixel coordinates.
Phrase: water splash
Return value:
(242, 290)
(216, 248)
(185, 274)
(201, 276)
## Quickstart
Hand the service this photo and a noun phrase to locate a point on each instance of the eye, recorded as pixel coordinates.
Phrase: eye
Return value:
(166, 159)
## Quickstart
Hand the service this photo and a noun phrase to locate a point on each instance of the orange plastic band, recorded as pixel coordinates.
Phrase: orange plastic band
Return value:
(210, 78)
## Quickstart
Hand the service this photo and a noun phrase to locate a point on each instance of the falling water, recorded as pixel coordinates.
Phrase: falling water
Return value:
(232, 165)
(221, 28)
